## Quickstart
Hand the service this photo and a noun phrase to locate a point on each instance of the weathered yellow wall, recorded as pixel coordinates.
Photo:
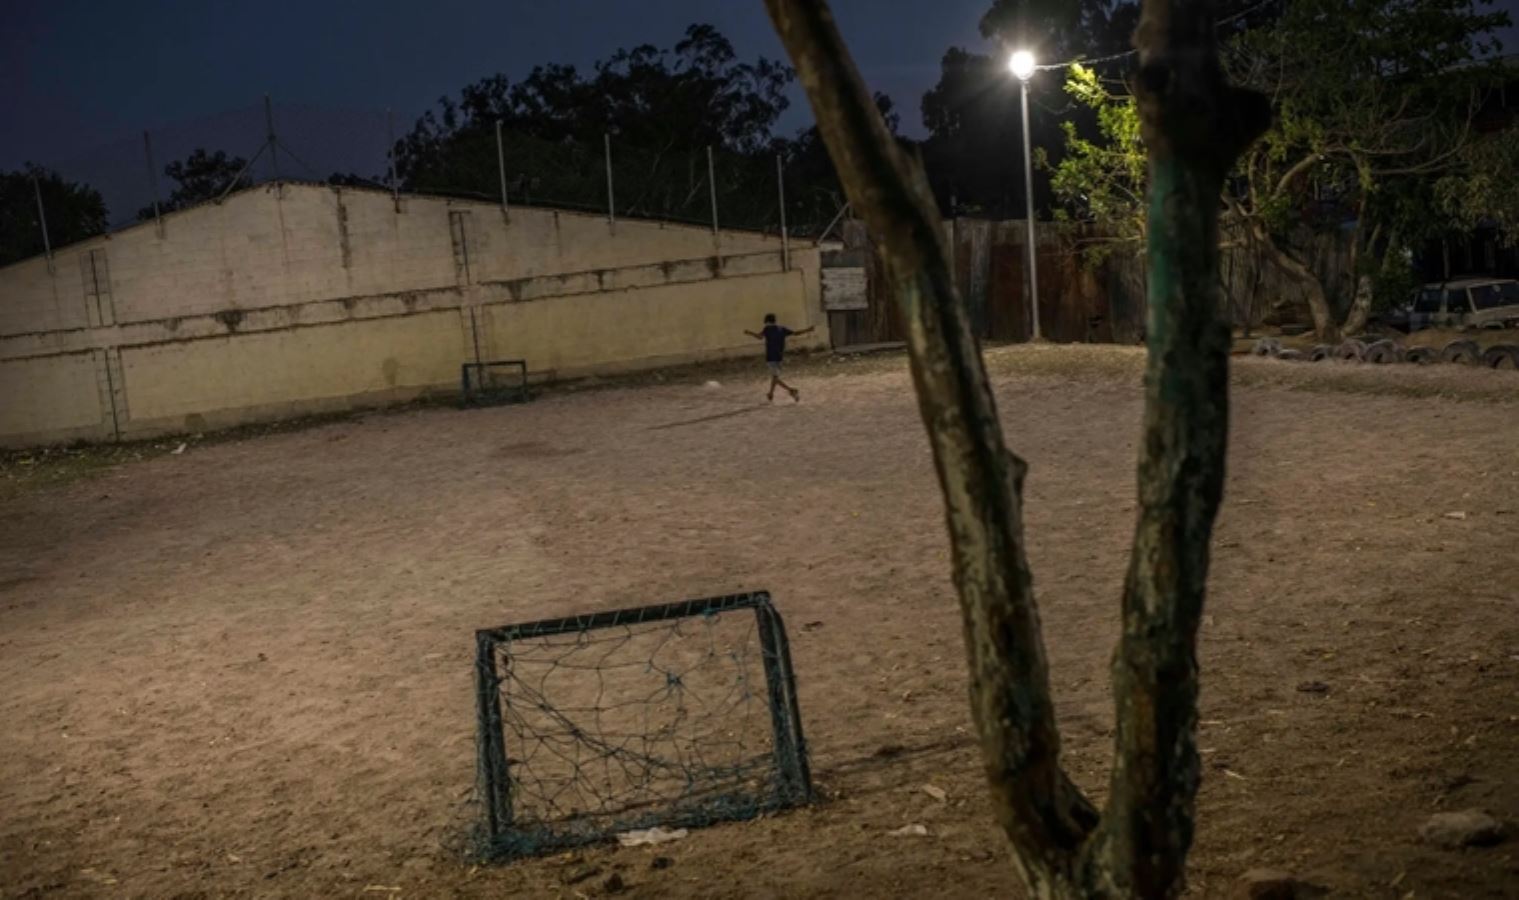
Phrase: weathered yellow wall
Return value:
(35, 297)
(52, 398)
(280, 245)
(572, 335)
(286, 299)
(175, 380)
(543, 242)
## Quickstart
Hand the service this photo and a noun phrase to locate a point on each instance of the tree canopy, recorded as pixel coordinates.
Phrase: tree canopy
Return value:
(1375, 130)
(200, 177)
(74, 212)
(1062, 29)
(972, 116)
(662, 108)
(1378, 123)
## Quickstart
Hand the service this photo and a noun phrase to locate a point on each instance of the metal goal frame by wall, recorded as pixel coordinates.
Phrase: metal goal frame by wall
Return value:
(506, 835)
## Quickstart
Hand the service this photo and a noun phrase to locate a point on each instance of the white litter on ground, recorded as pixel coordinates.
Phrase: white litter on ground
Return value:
(655, 835)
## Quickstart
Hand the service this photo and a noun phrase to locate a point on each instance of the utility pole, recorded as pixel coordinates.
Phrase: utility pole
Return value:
(1028, 190)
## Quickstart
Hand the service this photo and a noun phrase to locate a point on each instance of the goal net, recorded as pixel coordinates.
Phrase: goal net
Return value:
(494, 382)
(678, 715)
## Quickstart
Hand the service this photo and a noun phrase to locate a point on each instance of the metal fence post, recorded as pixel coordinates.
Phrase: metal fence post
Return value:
(147, 145)
(780, 181)
(712, 187)
(611, 205)
(501, 167)
(274, 162)
(47, 245)
(390, 156)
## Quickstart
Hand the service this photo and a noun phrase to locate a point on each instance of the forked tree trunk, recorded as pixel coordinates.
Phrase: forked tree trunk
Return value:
(1325, 327)
(1194, 127)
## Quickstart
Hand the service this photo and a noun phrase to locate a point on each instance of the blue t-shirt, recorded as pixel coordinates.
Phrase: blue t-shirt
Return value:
(775, 341)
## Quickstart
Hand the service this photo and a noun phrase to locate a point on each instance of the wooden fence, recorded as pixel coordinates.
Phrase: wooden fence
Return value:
(1078, 302)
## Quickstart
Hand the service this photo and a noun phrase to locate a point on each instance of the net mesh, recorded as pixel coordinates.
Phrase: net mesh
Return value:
(634, 721)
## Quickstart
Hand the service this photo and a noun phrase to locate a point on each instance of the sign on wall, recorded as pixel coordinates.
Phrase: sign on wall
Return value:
(844, 289)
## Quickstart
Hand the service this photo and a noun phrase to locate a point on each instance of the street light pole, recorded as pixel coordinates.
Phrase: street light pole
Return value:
(1028, 190)
(1022, 64)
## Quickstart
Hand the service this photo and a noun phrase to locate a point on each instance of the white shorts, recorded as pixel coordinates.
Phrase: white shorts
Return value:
(774, 367)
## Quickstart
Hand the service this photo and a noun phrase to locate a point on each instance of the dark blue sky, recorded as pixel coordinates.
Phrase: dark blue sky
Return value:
(81, 79)
(77, 74)
(80, 74)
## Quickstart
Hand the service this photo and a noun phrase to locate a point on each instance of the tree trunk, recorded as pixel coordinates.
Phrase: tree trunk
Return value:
(1324, 325)
(1360, 306)
(1360, 303)
(1256, 274)
(1044, 815)
(1195, 126)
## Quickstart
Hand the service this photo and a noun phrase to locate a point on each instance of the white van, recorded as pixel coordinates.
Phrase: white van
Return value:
(1466, 303)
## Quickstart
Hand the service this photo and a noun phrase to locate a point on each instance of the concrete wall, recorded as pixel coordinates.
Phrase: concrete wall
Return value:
(290, 299)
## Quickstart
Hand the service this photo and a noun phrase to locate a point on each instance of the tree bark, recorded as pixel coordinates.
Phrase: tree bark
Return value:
(1324, 325)
(1044, 815)
(1360, 306)
(1195, 126)
(1361, 296)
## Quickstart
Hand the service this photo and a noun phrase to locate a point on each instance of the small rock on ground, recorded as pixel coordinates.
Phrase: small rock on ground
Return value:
(1467, 828)
(583, 874)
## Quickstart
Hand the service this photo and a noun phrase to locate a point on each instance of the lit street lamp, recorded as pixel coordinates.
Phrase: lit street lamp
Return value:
(1022, 65)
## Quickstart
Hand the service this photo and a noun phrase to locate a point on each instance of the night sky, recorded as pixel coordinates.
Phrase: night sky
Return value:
(80, 79)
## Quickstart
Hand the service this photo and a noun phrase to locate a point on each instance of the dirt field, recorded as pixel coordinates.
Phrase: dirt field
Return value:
(245, 670)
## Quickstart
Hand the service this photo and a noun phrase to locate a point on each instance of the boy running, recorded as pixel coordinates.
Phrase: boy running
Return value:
(774, 337)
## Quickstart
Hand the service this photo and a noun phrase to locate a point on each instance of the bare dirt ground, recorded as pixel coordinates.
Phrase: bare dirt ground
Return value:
(245, 670)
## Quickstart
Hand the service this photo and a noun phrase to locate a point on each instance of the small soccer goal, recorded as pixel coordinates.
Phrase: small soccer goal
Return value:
(678, 716)
(494, 382)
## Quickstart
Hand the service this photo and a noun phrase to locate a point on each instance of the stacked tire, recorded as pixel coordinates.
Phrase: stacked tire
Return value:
(1266, 346)
(1461, 353)
(1351, 351)
(1382, 352)
(1501, 356)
